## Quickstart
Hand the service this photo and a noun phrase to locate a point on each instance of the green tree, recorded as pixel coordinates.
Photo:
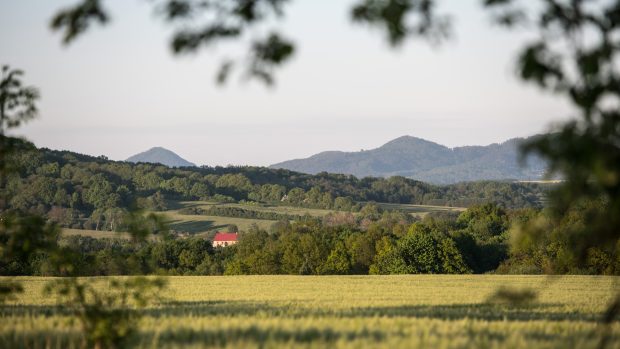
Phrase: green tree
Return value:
(338, 262)
(452, 260)
(483, 236)
(147, 181)
(296, 196)
(422, 251)
(100, 193)
(343, 203)
(484, 221)
(200, 191)
(370, 211)
(419, 249)
(256, 253)
(388, 259)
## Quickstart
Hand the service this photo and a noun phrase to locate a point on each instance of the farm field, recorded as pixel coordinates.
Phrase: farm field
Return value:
(200, 224)
(420, 210)
(301, 211)
(413, 311)
(205, 225)
(93, 233)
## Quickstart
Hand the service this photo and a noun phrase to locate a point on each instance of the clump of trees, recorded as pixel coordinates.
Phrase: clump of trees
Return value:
(542, 244)
(237, 212)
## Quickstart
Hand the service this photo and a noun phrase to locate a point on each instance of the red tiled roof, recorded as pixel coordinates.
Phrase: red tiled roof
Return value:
(225, 237)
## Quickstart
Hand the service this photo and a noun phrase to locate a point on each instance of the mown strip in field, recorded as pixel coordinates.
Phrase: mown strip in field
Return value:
(420, 210)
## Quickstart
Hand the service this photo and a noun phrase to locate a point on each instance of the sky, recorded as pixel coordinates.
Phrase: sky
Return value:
(118, 90)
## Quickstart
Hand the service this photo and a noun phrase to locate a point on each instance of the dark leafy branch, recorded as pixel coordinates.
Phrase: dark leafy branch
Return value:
(222, 21)
(17, 102)
(74, 21)
(393, 16)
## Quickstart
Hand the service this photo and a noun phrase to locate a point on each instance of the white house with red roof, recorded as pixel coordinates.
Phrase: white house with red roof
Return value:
(225, 239)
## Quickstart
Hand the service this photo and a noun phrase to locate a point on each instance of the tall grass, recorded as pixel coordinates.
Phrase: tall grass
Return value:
(339, 311)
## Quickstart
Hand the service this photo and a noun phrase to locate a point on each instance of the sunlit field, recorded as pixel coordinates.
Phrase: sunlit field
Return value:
(197, 224)
(425, 311)
(203, 225)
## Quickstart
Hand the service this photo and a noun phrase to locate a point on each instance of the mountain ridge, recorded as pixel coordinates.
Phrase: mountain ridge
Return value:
(160, 155)
(424, 160)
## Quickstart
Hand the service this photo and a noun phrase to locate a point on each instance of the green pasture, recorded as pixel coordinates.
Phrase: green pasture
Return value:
(99, 234)
(202, 224)
(299, 211)
(414, 311)
(420, 210)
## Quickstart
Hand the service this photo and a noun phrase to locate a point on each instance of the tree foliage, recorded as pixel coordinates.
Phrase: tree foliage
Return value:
(17, 102)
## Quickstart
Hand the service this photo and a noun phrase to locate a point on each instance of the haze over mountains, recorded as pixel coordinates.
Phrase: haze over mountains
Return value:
(426, 161)
(159, 155)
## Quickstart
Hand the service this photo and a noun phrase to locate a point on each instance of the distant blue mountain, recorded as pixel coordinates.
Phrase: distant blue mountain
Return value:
(427, 161)
(159, 155)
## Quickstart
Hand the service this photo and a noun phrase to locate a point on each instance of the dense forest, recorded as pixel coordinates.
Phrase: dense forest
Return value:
(86, 192)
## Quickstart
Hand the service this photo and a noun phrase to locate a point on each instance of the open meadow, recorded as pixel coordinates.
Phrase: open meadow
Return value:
(415, 311)
(420, 210)
(197, 224)
(206, 225)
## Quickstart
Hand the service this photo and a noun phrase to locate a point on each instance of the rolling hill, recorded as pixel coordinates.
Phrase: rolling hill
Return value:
(159, 155)
(424, 160)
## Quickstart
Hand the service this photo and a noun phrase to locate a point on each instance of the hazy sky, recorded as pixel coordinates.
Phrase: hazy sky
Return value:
(118, 90)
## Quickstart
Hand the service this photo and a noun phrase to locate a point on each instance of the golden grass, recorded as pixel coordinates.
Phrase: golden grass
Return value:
(422, 311)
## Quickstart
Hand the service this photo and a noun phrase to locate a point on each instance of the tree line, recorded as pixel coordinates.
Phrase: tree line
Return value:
(478, 240)
(238, 212)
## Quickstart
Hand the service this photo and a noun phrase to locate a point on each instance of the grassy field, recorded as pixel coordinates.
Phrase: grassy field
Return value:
(420, 210)
(199, 224)
(300, 211)
(423, 311)
(94, 233)
(202, 224)
(205, 225)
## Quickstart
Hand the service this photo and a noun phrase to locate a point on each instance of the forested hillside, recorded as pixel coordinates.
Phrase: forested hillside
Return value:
(420, 159)
(85, 192)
